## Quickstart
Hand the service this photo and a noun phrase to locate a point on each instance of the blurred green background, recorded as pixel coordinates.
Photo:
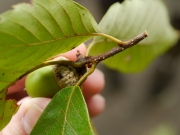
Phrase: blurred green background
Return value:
(146, 103)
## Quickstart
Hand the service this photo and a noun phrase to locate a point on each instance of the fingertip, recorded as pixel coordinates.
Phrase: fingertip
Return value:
(33, 113)
(95, 104)
(71, 55)
(94, 83)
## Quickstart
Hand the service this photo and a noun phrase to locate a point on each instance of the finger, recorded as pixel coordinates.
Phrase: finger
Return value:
(93, 84)
(31, 108)
(18, 86)
(70, 55)
(95, 104)
(26, 117)
(17, 95)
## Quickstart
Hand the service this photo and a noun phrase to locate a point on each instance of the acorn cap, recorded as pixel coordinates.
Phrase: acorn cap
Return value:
(65, 75)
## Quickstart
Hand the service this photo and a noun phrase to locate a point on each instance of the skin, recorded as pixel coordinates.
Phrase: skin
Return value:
(31, 108)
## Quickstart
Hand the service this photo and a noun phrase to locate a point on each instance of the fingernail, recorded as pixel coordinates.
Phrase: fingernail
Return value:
(30, 118)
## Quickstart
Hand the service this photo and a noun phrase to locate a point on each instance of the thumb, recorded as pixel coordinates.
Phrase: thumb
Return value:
(24, 120)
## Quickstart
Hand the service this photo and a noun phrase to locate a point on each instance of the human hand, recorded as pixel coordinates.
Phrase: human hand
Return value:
(31, 108)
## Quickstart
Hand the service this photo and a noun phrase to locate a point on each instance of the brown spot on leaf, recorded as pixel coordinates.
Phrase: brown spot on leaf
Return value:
(1, 118)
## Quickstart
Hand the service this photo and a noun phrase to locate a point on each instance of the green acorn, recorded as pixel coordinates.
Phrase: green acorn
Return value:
(47, 81)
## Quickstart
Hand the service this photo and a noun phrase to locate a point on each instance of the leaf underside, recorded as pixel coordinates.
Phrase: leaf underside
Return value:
(31, 33)
(127, 20)
(66, 114)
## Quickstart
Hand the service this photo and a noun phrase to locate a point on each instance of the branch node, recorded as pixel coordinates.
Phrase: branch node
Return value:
(79, 55)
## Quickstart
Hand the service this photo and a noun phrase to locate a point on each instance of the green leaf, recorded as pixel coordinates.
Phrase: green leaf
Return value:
(127, 20)
(66, 114)
(31, 33)
(7, 109)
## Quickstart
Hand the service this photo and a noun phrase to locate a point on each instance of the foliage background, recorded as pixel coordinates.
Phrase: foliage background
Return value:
(138, 103)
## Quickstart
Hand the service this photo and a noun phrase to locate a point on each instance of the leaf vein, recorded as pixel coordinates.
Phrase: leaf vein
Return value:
(52, 17)
(49, 41)
(72, 127)
(67, 15)
(26, 28)
(39, 22)
(81, 18)
(67, 108)
(130, 22)
(12, 35)
(116, 16)
(38, 50)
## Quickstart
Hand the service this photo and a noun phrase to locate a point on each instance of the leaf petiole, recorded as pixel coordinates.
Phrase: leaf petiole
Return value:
(90, 71)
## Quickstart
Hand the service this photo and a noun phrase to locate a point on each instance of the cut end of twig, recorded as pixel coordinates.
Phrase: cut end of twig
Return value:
(145, 33)
(134, 41)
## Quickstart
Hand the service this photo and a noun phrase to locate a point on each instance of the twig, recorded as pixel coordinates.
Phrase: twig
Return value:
(135, 40)
(121, 47)
(92, 61)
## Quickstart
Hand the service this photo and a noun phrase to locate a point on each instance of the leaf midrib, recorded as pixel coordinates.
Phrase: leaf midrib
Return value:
(54, 40)
(67, 108)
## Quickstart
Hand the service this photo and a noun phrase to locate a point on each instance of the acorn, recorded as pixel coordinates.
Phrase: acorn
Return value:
(47, 81)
